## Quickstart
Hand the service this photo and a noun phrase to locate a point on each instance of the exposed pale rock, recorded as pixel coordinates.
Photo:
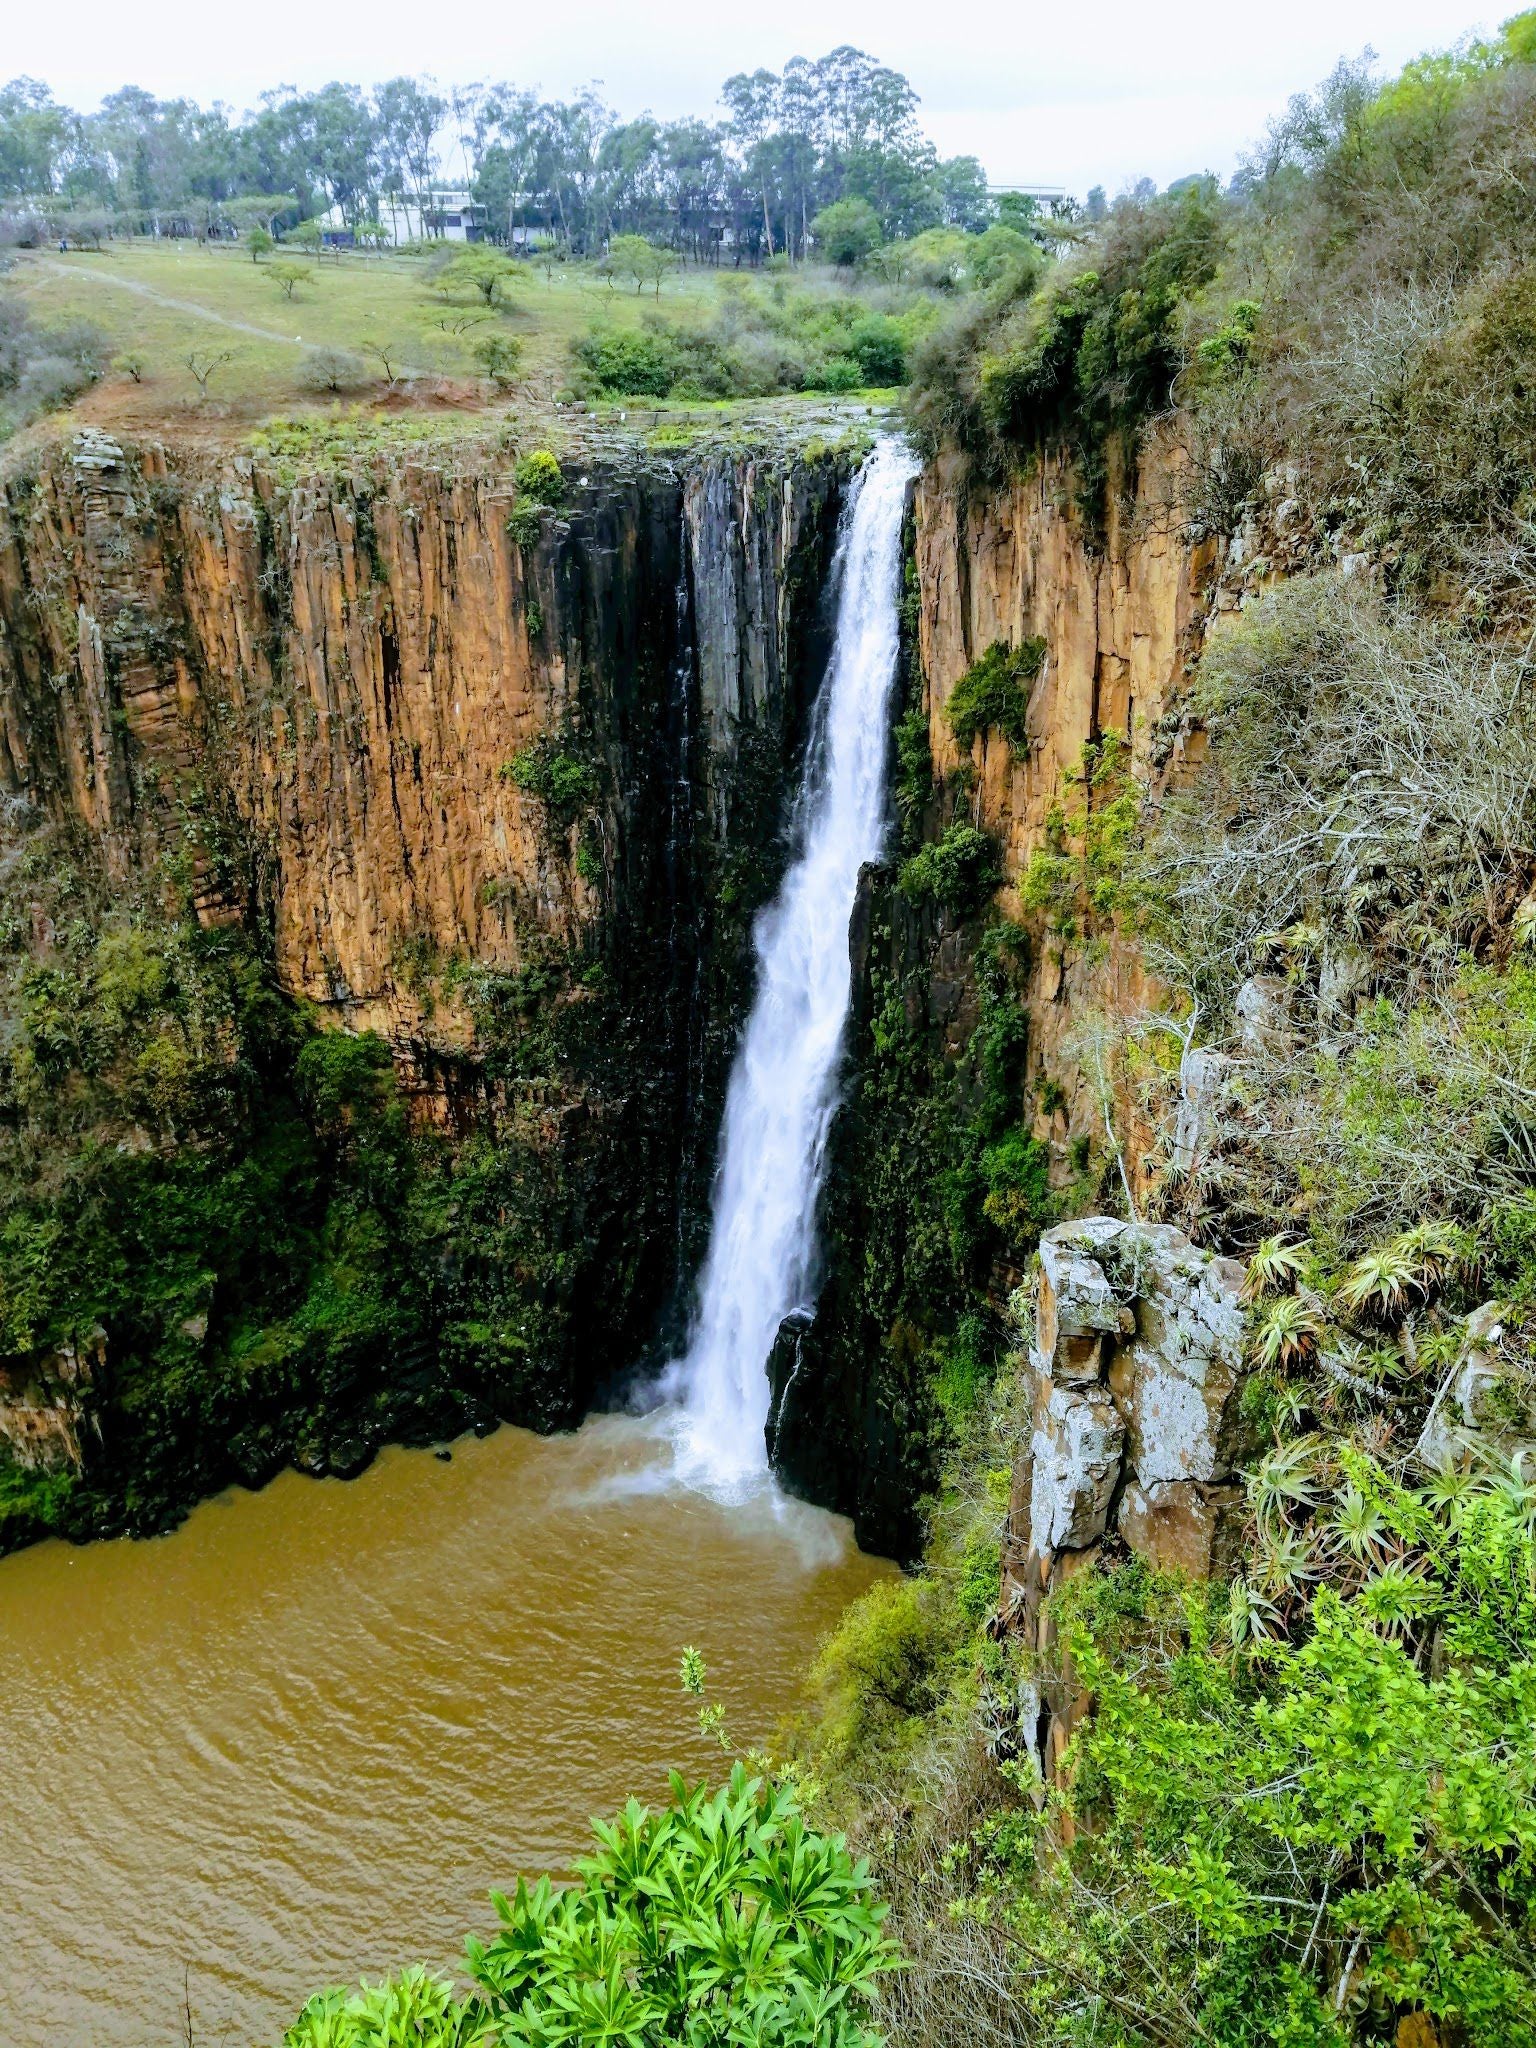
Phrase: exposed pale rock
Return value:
(1490, 1400)
(1138, 1362)
(1075, 1455)
(1263, 1012)
(1202, 1079)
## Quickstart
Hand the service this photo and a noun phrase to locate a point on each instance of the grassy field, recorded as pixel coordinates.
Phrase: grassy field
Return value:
(168, 300)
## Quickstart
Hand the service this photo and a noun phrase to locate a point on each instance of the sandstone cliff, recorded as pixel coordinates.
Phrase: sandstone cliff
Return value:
(507, 798)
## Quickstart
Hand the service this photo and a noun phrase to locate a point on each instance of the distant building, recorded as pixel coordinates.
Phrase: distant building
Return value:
(446, 217)
(1046, 197)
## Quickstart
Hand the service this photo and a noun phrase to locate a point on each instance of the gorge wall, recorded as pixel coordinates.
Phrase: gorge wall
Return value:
(510, 798)
(508, 802)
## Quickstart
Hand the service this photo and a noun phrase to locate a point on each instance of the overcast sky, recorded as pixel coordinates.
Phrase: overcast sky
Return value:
(1069, 92)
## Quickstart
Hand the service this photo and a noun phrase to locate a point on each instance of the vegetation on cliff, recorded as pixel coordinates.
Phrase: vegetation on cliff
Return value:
(1298, 1802)
(227, 1213)
(1354, 307)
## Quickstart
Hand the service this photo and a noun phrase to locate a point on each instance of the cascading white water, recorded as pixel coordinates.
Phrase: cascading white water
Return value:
(783, 1087)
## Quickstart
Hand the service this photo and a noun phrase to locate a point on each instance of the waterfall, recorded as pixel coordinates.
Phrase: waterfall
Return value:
(783, 1086)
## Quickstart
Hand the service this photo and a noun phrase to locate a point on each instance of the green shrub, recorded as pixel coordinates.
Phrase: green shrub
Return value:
(991, 695)
(959, 871)
(880, 1668)
(564, 783)
(525, 525)
(539, 478)
(841, 373)
(914, 768)
(879, 346)
(629, 362)
(721, 1917)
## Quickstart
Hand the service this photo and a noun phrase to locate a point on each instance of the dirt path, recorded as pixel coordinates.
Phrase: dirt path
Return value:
(147, 291)
(236, 326)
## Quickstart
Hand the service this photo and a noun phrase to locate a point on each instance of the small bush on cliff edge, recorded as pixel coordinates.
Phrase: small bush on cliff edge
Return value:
(539, 478)
(564, 783)
(959, 871)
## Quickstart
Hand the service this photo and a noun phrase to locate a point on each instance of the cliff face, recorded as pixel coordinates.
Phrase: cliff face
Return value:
(954, 1036)
(450, 777)
(340, 668)
(451, 781)
(1122, 617)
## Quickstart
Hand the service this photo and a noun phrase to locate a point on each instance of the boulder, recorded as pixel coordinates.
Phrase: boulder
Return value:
(1134, 1433)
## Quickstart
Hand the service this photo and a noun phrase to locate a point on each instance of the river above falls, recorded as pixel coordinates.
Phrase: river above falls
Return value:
(300, 1738)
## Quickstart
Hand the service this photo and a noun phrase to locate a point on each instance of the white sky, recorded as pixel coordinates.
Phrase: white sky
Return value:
(1069, 92)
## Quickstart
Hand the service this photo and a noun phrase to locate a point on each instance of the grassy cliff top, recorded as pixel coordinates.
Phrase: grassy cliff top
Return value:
(170, 310)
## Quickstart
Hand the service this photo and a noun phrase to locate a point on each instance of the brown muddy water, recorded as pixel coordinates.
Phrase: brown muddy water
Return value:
(300, 1738)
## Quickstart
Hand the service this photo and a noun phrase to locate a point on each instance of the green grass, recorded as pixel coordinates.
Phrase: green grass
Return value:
(346, 301)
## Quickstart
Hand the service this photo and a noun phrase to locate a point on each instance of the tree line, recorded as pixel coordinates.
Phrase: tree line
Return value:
(839, 129)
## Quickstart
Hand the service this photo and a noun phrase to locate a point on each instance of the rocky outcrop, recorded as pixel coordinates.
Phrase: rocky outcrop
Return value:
(46, 1421)
(331, 671)
(1486, 1406)
(1135, 1433)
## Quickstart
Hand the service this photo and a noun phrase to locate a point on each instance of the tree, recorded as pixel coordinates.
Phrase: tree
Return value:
(34, 132)
(203, 362)
(486, 272)
(332, 369)
(754, 100)
(259, 242)
(407, 117)
(289, 276)
(306, 236)
(391, 357)
(846, 231)
(500, 356)
(633, 256)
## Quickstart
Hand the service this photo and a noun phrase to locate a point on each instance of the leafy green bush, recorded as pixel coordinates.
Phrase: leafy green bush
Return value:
(1016, 1173)
(564, 783)
(525, 524)
(628, 362)
(722, 1917)
(960, 871)
(539, 477)
(878, 344)
(842, 373)
(991, 695)
(1349, 1806)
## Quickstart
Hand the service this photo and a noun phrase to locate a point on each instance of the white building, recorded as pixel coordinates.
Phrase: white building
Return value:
(448, 216)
